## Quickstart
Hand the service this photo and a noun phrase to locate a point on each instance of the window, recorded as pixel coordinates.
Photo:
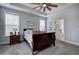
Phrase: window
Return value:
(42, 25)
(11, 23)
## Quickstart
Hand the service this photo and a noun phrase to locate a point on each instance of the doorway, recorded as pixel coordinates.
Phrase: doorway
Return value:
(59, 29)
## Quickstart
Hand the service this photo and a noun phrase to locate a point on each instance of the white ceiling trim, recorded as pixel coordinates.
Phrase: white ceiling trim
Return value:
(35, 12)
(7, 5)
(57, 11)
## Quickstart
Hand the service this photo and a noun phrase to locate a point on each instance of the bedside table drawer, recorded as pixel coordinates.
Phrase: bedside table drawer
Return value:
(14, 39)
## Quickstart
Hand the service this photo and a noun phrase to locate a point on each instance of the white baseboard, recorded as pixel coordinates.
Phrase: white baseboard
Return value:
(74, 43)
(4, 43)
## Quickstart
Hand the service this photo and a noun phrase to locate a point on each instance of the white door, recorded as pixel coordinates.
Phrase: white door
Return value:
(60, 29)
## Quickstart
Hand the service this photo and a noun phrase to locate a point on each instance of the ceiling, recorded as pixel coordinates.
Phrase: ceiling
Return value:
(28, 8)
(60, 5)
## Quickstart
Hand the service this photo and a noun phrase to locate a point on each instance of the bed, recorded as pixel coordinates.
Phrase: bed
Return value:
(38, 40)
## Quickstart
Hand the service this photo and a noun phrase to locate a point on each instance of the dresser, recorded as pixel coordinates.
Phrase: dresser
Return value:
(14, 39)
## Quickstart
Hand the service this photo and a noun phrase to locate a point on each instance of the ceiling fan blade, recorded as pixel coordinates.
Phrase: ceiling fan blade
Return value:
(40, 7)
(44, 9)
(36, 7)
(48, 8)
(36, 3)
(52, 5)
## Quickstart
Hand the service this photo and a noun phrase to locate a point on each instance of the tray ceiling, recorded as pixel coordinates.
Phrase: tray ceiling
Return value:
(60, 5)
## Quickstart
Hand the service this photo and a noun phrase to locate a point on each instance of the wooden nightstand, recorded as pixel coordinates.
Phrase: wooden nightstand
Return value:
(14, 39)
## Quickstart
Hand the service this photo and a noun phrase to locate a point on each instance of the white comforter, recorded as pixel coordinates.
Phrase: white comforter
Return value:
(28, 36)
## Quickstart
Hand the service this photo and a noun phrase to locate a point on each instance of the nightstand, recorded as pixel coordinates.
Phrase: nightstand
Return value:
(14, 39)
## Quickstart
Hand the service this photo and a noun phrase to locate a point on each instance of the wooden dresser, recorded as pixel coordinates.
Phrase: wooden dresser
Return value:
(14, 39)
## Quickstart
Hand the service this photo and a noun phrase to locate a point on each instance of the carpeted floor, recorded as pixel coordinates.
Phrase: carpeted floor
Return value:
(61, 48)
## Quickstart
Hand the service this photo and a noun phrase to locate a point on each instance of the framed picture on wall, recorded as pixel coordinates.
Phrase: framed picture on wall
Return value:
(30, 23)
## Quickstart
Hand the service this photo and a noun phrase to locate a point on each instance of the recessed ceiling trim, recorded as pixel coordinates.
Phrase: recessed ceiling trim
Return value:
(7, 5)
(58, 10)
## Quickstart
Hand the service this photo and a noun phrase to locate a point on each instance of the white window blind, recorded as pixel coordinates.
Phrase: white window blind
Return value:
(42, 25)
(11, 22)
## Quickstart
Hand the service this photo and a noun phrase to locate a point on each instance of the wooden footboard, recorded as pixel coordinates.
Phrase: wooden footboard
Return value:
(41, 41)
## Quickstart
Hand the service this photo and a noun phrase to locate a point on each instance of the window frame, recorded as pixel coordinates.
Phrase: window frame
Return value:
(44, 25)
(6, 25)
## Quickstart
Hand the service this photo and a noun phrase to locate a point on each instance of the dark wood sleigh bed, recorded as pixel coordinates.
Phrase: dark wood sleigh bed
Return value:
(41, 41)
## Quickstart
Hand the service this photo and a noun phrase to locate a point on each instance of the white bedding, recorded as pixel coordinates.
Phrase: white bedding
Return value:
(28, 36)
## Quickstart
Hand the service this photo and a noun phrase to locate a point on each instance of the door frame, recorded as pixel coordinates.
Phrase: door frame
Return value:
(64, 25)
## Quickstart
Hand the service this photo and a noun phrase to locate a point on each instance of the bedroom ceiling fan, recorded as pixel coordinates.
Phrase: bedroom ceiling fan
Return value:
(44, 6)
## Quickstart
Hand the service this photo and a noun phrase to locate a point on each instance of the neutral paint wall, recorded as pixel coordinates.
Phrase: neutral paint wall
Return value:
(2, 27)
(24, 17)
(71, 16)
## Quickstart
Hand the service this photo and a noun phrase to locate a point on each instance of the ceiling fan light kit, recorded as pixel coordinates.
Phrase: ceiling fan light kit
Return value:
(44, 6)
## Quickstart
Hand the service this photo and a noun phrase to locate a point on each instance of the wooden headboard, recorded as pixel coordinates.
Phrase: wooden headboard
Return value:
(34, 32)
(28, 29)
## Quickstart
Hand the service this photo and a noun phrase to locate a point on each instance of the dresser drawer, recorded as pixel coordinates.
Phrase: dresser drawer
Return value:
(14, 39)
